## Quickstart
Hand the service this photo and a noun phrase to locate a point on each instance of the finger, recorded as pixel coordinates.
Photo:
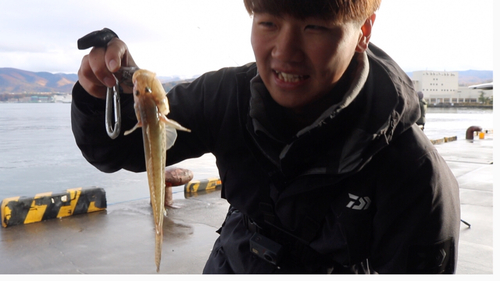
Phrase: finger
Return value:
(117, 55)
(89, 81)
(96, 59)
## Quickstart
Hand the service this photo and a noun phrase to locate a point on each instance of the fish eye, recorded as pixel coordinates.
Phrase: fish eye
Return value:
(136, 93)
(148, 90)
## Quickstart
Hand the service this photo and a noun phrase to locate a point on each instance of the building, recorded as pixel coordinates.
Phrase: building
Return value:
(437, 86)
(475, 93)
(441, 87)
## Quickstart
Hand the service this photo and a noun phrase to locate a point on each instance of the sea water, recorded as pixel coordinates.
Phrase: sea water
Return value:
(454, 121)
(38, 152)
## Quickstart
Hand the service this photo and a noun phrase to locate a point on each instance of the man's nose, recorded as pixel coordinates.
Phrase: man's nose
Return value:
(288, 46)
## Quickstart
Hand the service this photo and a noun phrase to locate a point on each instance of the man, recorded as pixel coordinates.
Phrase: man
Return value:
(423, 110)
(316, 145)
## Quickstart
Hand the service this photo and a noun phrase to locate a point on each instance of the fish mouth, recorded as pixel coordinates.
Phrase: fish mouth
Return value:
(290, 78)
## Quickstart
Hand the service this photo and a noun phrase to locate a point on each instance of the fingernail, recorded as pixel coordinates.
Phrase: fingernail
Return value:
(113, 65)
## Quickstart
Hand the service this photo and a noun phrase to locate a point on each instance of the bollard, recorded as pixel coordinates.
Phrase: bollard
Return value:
(469, 134)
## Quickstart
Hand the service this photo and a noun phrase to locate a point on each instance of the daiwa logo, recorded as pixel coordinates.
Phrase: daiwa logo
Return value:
(359, 203)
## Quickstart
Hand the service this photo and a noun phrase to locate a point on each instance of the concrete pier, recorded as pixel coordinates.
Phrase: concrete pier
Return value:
(120, 240)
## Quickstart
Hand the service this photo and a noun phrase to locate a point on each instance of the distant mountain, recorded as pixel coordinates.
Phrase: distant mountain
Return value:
(20, 81)
(474, 77)
(471, 77)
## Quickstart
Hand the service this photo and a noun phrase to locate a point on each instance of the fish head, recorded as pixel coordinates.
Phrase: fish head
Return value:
(143, 83)
(146, 85)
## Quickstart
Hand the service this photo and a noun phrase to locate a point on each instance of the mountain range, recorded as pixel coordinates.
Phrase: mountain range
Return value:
(21, 81)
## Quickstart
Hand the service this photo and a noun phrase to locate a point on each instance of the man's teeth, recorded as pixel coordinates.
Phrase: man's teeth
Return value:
(289, 77)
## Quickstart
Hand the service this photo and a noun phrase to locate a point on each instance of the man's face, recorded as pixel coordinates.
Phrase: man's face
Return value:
(301, 60)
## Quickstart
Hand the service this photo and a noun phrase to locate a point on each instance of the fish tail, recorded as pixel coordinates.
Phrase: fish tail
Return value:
(158, 242)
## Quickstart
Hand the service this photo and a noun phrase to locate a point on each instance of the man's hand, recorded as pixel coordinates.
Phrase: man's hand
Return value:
(97, 68)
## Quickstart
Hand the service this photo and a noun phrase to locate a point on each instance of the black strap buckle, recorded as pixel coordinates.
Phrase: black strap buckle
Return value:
(266, 248)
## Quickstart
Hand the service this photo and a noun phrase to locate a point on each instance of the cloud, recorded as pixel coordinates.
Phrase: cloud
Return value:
(193, 36)
(436, 35)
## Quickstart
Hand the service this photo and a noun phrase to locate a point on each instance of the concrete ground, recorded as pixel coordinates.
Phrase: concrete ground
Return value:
(120, 240)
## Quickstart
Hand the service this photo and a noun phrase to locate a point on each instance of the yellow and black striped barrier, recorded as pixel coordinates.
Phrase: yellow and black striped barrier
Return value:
(44, 206)
(206, 185)
(443, 140)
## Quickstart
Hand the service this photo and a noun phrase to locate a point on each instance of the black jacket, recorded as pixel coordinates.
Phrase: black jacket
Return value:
(360, 190)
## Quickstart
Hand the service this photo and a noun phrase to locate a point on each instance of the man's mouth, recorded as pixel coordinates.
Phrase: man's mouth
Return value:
(292, 78)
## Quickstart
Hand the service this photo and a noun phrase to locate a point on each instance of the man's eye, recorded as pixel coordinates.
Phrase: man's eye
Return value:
(267, 24)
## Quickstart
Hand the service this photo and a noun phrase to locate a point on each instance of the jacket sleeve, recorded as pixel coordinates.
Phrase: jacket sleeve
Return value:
(417, 221)
(106, 154)
(199, 106)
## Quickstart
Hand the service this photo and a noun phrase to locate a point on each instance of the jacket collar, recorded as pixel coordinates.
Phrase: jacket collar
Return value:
(377, 105)
(260, 101)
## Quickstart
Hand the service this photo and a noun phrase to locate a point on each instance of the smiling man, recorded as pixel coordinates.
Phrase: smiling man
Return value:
(317, 148)
(301, 60)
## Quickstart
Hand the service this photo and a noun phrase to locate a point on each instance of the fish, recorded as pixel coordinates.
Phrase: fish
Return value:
(159, 134)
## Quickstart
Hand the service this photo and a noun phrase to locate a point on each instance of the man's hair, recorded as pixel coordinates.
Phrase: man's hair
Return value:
(337, 10)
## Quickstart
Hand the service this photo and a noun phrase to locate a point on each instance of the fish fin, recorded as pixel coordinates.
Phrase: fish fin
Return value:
(172, 123)
(138, 125)
(171, 136)
(177, 126)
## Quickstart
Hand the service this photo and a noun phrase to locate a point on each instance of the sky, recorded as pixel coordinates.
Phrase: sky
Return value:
(190, 37)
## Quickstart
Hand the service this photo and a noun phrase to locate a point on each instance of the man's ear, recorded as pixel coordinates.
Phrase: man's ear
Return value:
(366, 30)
